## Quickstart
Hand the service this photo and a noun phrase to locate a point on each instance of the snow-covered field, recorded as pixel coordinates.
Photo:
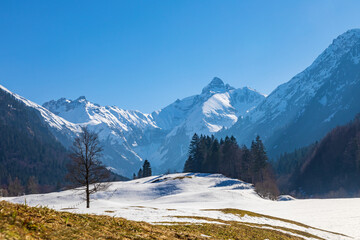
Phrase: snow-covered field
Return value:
(161, 199)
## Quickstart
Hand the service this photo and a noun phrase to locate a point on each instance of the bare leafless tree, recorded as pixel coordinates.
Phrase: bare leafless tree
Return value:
(86, 171)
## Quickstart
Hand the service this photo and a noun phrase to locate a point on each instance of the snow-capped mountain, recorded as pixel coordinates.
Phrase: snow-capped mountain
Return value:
(163, 136)
(56, 123)
(218, 106)
(324, 95)
(119, 130)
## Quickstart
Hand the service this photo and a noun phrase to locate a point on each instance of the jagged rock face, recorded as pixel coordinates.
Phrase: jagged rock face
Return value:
(304, 109)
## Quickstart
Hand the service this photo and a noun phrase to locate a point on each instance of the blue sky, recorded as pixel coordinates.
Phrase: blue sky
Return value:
(145, 54)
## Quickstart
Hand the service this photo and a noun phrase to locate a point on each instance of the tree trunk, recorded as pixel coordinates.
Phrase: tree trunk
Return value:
(87, 196)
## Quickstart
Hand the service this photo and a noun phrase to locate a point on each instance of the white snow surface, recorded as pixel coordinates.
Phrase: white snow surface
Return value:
(161, 198)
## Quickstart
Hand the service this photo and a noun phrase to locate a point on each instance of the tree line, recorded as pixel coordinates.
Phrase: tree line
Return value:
(209, 155)
(16, 188)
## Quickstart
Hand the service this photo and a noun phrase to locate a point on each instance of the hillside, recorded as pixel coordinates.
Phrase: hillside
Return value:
(210, 199)
(27, 147)
(330, 168)
(20, 221)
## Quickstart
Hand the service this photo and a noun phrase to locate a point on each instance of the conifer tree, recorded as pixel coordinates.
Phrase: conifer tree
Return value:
(193, 146)
(207, 155)
(200, 154)
(259, 159)
(147, 169)
(245, 164)
(189, 164)
(214, 157)
(193, 160)
(140, 173)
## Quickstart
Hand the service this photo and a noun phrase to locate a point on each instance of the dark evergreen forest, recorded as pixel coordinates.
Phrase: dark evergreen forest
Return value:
(328, 168)
(209, 155)
(31, 159)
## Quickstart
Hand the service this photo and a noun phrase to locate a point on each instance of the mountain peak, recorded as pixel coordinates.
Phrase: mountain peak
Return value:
(347, 39)
(216, 81)
(340, 46)
(216, 85)
(81, 99)
(351, 32)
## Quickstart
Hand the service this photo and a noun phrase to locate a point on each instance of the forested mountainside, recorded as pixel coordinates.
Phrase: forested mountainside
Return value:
(329, 168)
(27, 148)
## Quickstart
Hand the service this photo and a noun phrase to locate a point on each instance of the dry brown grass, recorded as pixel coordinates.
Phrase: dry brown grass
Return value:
(22, 222)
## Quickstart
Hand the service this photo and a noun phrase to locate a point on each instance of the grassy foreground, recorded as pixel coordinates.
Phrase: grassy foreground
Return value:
(23, 222)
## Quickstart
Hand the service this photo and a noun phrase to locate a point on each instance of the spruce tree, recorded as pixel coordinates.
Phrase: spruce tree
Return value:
(200, 155)
(258, 159)
(245, 164)
(147, 169)
(194, 154)
(140, 173)
(214, 157)
(189, 165)
(193, 146)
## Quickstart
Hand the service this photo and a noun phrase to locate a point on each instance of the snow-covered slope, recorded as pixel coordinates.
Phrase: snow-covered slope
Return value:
(84, 112)
(303, 110)
(218, 106)
(119, 130)
(57, 123)
(161, 199)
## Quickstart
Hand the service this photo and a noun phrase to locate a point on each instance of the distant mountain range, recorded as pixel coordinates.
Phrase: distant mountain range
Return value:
(162, 136)
(295, 114)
